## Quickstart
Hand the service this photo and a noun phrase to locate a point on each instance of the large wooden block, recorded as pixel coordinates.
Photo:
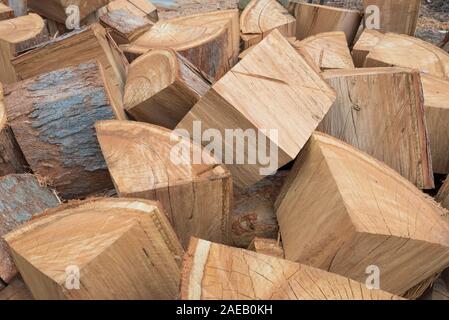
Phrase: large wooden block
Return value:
(99, 249)
(342, 211)
(272, 88)
(144, 163)
(381, 112)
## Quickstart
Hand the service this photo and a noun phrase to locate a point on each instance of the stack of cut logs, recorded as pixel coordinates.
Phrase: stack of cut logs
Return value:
(94, 204)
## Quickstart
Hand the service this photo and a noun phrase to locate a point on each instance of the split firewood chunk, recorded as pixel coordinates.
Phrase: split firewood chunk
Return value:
(16, 290)
(140, 8)
(312, 19)
(6, 12)
(21, 198)
(11, 157)
(381, 112)
(397, 16)
(278, 105)
(17, 35)
(151, 162)
(269, 247)
(209, 40)
(365, 43)
(52, 117)
(409, 52)
(345, 212)
(104, 248)
(56, 9)
(124, 26)
(162, 86)
(218, 272)
(253, 214)
(329, 50)
(260, 17)
(436, 101)
(79, 47)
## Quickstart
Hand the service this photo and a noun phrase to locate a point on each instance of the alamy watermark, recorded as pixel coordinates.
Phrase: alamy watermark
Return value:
(73, 17)
(372, 17)
(72, 277)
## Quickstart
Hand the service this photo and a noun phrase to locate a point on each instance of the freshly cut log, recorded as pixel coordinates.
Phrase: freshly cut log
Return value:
(21, 198)
(213, 271)
(79, 47)
(381, 112)
(209, 40)
(312, 19)
(102, 249)
(56, 9)
(329, 50)
(151, 162)
(278, 105)
(269, 247)
(436, 101)
(161, 87)
(409, 52)
(11, 157)
(140, 8)
(366, 42)
(124, 26)
(16, 290)
(17, 35)
(6, 12)
(260, 17)
(253, 214)
(397, 16)
(52, 117)
(345, 212)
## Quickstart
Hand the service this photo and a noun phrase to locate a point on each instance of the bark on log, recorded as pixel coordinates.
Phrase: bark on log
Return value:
(17, 35)
(338, 202)
(213, 271)
(366, 42)
(253, 212)
(144, 163)
(409, 52)
(162, 87)
(287, 96)
(140, 8)
(396, 16)
(129, 243)
(16, 290)
(260, 17)
(80, 47)
(53, 117)
(6, 12)
(381, 112)
(269, 247)
(21, 198)
(209, 40)
(312, 19)
(328, 50)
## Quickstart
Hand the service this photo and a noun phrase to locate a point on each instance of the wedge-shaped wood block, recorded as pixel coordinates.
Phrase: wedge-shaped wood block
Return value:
(365, 43)
(409, 52)
(144, 163)
(312, 19)
(343, 211)
(79, 47)
(161, 87)
(52, 117)
(273, 89)
(21, 198)
(17, 35)
(108, 248)
(436, 101)
(209, 40)
(260, 17)
(213, 271)
(398, 16)
(328, 50)
(381, 111)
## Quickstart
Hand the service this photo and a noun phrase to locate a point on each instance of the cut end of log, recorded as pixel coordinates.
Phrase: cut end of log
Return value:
(21, 29)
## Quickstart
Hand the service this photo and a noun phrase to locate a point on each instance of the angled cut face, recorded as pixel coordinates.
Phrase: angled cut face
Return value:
(213, 271)
(365, 43)
(353, 212)
(381, 111)
(128, 242)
